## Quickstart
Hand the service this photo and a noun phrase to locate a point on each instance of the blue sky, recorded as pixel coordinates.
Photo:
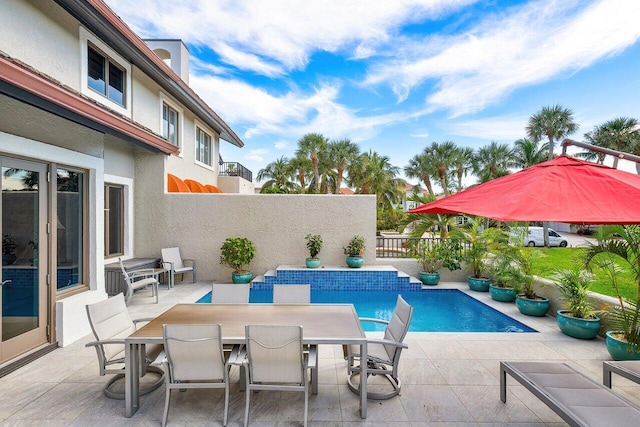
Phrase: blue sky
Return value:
(394, 76)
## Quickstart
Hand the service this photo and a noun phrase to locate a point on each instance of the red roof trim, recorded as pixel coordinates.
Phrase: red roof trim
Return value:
(44, 88)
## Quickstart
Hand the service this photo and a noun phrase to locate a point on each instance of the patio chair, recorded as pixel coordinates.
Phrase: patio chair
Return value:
(111, 324)
(275, 361)
(173, 262)
(292, 294)
(139, 279)
(575, 398)
(383, 355)
(630, 369)
(230, 293)
(194, 359)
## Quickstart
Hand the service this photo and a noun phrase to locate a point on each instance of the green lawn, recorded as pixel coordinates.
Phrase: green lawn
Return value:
(560, 258)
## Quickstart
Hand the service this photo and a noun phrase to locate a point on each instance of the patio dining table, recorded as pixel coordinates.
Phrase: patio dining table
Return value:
(321, 323)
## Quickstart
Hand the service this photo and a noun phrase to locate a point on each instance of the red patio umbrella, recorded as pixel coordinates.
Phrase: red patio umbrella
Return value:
(564, 189)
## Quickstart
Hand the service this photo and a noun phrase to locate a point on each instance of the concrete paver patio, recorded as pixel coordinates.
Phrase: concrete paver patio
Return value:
(449, 379)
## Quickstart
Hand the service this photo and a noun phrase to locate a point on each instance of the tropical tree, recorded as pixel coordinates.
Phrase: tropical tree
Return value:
(593, 138)
(553, 122)
(441, 156)
(421, 167)
(302, 168)
(620, 134)
(314, 146)
(278, 175)
(423, 223)
(493, 161)
(342, 154)
(374, 174)
(462, 163)
(528, 153)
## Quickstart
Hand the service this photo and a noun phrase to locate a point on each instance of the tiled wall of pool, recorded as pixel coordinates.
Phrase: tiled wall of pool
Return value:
(340, 279)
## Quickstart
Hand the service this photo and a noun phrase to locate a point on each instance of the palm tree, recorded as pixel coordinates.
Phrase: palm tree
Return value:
(620, 134)
(462, 162)
(528, 153)
(314, 146)
(593, 138)
(302, 168)
(374, 174)
(427, 222)
(341, 154)
(420, 167)
(442, 158)
(553, 122)
(278, 175)
(493, 161)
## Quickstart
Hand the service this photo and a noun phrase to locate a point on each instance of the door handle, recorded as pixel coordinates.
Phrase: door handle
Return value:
(6, 281)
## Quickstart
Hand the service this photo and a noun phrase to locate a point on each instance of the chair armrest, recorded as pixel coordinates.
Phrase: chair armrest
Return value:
(312, 358)
(146, 319)
(238, 355)
(387, 342)
(103, 342)
(164, 264)
(143, 272)
(160, 359)
(370, 319)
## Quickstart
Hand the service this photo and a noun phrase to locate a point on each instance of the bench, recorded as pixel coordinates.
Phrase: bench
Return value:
(630, 369)
(575, 398)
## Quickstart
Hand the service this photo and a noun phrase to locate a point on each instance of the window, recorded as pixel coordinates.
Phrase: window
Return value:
(203, 147)
(169, 124)
(105, 77)
(113, 220)
(70, 228)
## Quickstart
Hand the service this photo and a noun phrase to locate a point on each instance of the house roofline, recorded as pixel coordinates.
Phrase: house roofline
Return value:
(97, 17)
(20, 82)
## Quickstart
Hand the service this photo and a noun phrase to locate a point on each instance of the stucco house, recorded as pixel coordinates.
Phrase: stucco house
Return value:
(92, 118)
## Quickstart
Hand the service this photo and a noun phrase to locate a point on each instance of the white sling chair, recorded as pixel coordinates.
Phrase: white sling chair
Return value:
(230, 293)
(383, 354)
(173, 262)
(292, 294)
(195, 360)
(139, 279)
(275, 361)
(111, 324)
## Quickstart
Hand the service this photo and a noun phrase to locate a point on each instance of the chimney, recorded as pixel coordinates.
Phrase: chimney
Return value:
(174, 53)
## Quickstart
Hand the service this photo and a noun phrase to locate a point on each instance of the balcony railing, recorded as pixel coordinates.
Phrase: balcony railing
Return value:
(235, 169)
(405, 247)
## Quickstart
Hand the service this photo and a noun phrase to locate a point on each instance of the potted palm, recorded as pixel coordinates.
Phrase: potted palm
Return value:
(432, 256)
(503, 268)
(354, 251)
(314, 244)
(623, 320)
(527, 301)
(577, 319)
(236, 252)
(8, 249)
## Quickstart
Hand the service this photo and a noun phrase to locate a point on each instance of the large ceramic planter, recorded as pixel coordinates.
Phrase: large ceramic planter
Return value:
(313, 262)
(479, 284)
(241, 277)
(429, 279)
(618, 348)
(355, 261)
(532, 307)
(502, 294)
(584, 329)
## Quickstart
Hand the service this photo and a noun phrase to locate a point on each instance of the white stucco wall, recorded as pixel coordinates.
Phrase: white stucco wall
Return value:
(234, 184)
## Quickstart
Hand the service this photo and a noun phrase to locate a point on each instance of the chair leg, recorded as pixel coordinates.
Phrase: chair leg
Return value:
(194, 275)
(246, 406)
(166, 406)
(306, 402)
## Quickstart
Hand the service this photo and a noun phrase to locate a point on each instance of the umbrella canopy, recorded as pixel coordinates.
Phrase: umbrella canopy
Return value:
(564, 189)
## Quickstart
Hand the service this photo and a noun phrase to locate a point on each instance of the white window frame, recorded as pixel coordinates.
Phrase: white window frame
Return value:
(127, 185)
(212, 135)
(164, 99)
(87, 38)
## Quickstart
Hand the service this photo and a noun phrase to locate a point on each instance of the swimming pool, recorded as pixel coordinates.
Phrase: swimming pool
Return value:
(435, 310)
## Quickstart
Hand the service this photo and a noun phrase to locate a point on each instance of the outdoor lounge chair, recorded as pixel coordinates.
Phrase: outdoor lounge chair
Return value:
(139, 279)
(292, 294)
(383, 355)
(111, 324)
(630, 369)
(173, 262)
(194, 359)
(275, 361)
(574, 397)
(230, 293)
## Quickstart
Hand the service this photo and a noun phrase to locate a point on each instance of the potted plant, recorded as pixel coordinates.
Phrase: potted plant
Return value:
(8, 249)
(314, 244)
(527, 301)
(432, 256)
(505, 284)
(354, 251)
(236, 252)
(620, 243)
(578, 319)
(478, 241)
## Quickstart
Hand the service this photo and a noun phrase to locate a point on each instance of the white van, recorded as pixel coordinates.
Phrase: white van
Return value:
(534, 237)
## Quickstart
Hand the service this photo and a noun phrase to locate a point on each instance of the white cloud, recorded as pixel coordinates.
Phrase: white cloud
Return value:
(257, 155)
(271, 37)
(420, 135)
(501, 128)
(523, 46)
(282, 145)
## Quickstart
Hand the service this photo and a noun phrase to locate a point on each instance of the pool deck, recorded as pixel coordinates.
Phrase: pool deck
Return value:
(449, 379)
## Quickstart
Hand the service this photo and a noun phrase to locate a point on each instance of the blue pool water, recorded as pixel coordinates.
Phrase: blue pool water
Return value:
(435, 310)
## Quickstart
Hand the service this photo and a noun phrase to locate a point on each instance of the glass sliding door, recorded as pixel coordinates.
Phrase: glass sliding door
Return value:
(23, 214)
